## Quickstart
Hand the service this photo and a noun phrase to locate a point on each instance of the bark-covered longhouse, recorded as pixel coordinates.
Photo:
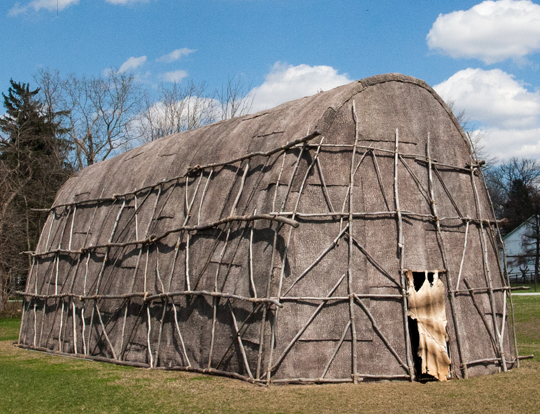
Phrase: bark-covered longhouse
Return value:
(340, 237)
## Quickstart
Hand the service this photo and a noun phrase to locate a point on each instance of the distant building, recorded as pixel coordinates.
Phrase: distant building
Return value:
(520, 252)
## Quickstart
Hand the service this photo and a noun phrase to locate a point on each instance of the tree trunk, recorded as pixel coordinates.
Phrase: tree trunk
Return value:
(3, 292)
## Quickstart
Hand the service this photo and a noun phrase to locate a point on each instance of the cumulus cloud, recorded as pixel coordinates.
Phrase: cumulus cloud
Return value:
(288, 82)
(175, 55)
(174, 76)
(507, 143)
(491, 31)
(508, 112)
(37, 5)
(492, 97)
(132, 63)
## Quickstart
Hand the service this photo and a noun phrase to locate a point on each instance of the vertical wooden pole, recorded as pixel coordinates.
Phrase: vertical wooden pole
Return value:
(483, 244)
(449, 282)
(507, 277)
(401, 254)
(350, 286)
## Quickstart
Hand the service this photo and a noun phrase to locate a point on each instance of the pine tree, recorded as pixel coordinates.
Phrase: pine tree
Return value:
(32, 168)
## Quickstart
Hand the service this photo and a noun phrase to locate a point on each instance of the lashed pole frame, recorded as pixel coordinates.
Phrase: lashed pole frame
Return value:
(433, 206)
(401, 253)
(487, 274)
(270, 304)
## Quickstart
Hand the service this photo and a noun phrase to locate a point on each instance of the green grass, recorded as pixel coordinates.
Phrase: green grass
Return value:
(529, 285)
(527, 317)
(9, 329)
(32, 382)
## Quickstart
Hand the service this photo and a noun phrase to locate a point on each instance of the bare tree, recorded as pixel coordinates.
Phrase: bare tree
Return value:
(530, 242)
(182, 108)
(475, 136)
(177, 109)
(503, 177)
(101, 111)
(234, 99)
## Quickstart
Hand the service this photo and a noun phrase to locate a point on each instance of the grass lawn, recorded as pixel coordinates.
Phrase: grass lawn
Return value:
(33, 382)
(529, 285)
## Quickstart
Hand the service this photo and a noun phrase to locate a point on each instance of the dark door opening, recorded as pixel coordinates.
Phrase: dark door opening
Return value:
(427, 325)
(417, 359)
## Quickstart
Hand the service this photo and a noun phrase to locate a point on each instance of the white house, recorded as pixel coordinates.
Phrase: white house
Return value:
(520, 251)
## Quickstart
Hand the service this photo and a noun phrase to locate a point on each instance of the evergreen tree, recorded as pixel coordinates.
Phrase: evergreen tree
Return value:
(519, 205)
(32, 168)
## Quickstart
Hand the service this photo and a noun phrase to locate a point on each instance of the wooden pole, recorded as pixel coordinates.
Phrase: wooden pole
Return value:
(401, 255)
(449, 283)
(483, 244)
(350, 286)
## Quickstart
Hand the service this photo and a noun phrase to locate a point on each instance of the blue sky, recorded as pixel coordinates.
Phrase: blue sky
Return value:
(484, 56)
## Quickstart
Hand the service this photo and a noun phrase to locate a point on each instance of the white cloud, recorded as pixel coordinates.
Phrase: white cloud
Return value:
(507, 143)
(288, 82)
(132, 63)
(175, 55)
(508, 111)
(175, 76)
(491, 31)
(493, 97)
(37, 5)
(124, 2)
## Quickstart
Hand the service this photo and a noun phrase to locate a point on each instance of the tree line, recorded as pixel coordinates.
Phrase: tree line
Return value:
(66, 123)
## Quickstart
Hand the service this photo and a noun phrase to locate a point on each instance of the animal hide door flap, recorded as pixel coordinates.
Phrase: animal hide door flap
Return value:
(426, 306)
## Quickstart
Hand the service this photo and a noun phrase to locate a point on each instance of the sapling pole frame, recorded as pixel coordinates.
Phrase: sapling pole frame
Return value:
(269, 302)
(401, 257)
(327, 367)
(350, 286)
(240, 343)
(282, 272)
(440, 239)
(305, 326)
(221, 255)
(380, 333)
(481, 313)
(483, 244)
(505, 272)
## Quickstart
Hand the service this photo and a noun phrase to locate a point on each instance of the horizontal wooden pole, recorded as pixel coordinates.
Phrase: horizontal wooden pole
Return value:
(190, 171)
(151, 297)
(285, 147)
(154, 239)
